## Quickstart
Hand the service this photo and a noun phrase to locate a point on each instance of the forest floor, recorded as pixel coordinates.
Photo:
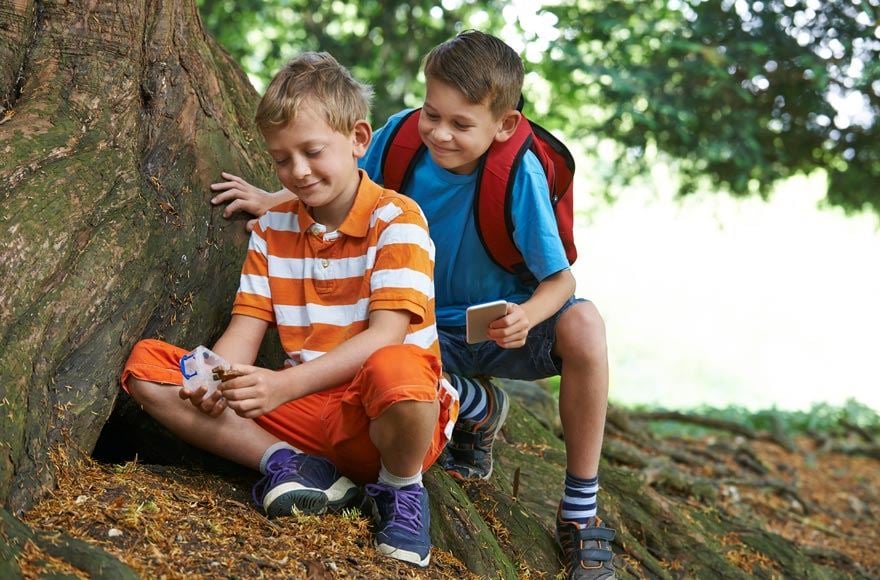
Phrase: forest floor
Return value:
(175, 522)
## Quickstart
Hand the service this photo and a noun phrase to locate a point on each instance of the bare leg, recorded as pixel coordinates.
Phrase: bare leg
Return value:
(228, 435)
(403, 435)
(583, 392)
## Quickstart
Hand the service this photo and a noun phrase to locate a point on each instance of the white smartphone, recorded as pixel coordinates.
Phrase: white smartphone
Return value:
(480, 315)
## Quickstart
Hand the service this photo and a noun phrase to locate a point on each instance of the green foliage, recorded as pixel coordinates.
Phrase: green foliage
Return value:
(737, 94)
(382, 43)
(821, 418)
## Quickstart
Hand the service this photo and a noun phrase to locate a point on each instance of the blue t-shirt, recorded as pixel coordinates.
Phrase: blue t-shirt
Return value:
(464, 274)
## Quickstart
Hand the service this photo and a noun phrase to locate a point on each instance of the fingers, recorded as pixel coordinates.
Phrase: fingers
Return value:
(233, 181)
(235, 186)
(510, 336)
(251, 224)
(241, 389)
(225, 195)
(238, 201)
(238, 204)
(194, 397)
(248, 409)
(511, 331)
(247, 394)
(246, 402)
(513, 342)
(233, 190)
(212, 405)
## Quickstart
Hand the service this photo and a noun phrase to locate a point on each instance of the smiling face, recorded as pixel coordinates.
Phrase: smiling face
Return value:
(318, 163)
(456, 131)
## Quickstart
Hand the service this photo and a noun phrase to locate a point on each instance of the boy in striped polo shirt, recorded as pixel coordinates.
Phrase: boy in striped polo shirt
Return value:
(473, 83)
(345, 272)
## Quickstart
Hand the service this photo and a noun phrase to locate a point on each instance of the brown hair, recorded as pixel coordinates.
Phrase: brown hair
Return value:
(326, 84)
(481, 66)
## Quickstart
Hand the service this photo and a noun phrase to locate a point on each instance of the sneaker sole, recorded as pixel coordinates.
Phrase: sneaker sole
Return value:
(284, 499)
(403, 555)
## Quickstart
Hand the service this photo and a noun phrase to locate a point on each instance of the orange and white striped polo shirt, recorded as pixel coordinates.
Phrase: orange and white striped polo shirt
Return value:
(319, 287)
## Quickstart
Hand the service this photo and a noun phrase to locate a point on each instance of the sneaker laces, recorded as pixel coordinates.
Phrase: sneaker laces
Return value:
(406, 505)
(277, 469)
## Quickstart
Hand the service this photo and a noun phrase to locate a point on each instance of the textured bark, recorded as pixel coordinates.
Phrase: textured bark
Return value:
(80, 555)
(116, 118)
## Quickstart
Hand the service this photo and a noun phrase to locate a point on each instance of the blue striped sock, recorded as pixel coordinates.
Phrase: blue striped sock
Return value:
(474, 406)
(579, 499)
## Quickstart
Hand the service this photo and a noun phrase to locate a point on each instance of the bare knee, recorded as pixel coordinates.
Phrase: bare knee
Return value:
(405, 429)
(145, 393)
(580, 334)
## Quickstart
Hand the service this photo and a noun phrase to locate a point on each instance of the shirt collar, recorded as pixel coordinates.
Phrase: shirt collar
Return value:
(357, 222)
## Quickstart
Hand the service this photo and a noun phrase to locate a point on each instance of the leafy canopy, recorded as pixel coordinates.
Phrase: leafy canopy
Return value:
(735, 93)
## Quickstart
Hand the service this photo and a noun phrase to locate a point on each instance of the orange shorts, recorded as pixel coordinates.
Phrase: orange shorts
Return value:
(334, 423)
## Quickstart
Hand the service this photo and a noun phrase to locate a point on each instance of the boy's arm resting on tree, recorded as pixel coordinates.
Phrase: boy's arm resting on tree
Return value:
(259, 390)
(242, 196)
(551, 293)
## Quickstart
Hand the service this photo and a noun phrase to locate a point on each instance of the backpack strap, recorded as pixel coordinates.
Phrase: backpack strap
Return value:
(402, 150)
(493, 202)
(558, 165)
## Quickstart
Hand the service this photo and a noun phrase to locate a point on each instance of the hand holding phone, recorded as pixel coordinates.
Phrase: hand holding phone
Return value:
(479, 316)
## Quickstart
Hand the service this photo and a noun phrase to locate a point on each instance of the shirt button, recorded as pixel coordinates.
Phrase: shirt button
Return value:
(325, 262)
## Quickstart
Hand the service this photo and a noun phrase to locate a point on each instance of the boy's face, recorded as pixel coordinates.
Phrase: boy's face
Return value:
(458, 132)
(318, 163)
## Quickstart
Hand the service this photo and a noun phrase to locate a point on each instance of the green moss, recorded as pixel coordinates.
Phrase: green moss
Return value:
(456, 526)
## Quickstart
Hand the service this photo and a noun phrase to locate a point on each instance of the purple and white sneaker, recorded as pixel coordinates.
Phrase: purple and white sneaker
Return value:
(402, 519)
(309, 484)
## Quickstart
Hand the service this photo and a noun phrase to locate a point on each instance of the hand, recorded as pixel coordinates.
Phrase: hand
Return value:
(511, 330)
(212, 405)
(242, 196)
(256, 392)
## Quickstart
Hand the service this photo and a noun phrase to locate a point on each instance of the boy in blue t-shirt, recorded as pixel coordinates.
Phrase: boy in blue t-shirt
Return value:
(474, 82)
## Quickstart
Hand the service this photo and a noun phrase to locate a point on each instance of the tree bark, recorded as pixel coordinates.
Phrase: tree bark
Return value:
(116, 117)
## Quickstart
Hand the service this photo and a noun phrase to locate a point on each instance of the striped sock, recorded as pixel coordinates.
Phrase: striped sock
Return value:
(472, 396)
(579, 500)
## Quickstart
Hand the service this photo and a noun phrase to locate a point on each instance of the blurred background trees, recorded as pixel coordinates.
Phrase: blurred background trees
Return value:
(733, 94)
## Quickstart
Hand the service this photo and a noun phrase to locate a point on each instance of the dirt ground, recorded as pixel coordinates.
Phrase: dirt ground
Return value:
(828, 502)
(168, 522)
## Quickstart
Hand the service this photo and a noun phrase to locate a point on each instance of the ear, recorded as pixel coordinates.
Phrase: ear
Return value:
(361, 136)
(509, 122)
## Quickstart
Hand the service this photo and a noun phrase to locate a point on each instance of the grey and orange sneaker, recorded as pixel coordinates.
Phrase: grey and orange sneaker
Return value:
(468, 455)
(586, 552)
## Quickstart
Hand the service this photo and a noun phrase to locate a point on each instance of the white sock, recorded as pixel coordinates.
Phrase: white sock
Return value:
(272, 449)
(389, 478)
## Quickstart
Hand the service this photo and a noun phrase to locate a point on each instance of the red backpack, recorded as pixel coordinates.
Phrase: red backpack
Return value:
(492, 204)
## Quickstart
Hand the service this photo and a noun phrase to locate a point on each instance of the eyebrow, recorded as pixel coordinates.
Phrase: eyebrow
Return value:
(454, 116)
(305, 145)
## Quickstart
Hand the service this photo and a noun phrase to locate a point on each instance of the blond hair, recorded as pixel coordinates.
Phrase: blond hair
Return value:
(482, 67)
(318, 78)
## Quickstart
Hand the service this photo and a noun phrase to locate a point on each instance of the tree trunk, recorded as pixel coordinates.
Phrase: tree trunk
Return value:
(115, 118)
